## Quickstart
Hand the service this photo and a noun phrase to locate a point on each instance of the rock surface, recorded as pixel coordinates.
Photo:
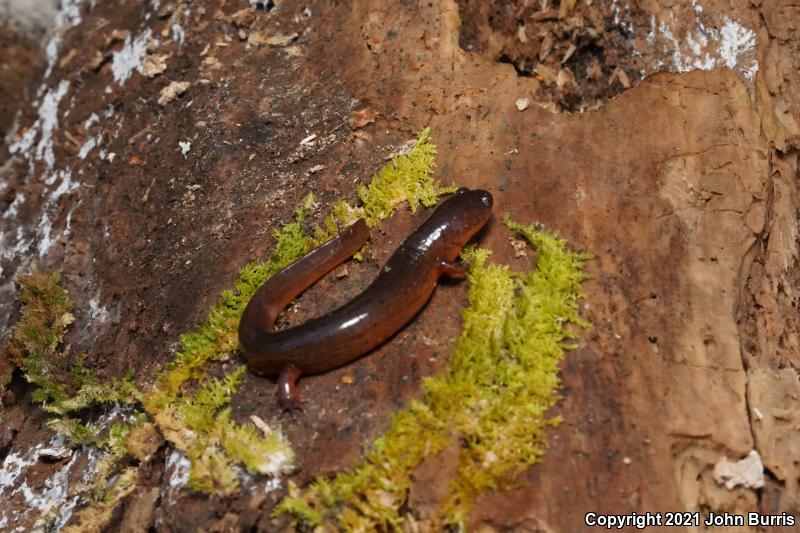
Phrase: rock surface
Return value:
(684, 186)
(22, 25)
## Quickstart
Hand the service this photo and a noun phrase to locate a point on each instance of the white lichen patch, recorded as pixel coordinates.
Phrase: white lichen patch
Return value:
(130, 58)
(44, 229)
(738, 42)
(13, 208)
(89, 145)
(68, 16)
(65, 184)
(177, 34)
(747, 472)
(97, 312)
(53, 494)
(91, 121)
(37, 145)
(701, 46)
(43, 128)
(30, 507)
(180, 465)
(13, 246)
(13, 466)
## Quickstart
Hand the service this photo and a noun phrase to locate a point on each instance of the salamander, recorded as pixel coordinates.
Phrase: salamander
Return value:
(399, 291)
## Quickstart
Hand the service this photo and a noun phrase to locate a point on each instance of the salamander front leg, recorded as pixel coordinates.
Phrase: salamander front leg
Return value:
(287, 389)
(455, 270)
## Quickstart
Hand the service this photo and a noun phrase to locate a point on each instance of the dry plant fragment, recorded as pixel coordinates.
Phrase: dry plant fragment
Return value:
(172, 91)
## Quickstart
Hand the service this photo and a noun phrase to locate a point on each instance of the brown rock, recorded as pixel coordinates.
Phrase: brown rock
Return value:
(431, 480)
(20, 61)
(139, 514)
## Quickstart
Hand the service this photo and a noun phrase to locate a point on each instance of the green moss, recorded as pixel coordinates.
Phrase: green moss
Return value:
(408, 178)
(201, 426)
(35, 344)
(492, 400)
(63, 385)
(74, 429)
(196, 423)
(96, 517)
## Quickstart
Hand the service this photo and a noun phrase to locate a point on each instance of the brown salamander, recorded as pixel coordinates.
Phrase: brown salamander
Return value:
(400, 290)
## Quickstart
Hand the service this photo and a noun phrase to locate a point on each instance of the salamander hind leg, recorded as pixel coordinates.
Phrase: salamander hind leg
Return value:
(454, 269)
(288, 397)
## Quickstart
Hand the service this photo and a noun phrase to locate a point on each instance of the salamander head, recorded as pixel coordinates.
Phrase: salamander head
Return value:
(472, 208)
(459, 218)
(485, 196)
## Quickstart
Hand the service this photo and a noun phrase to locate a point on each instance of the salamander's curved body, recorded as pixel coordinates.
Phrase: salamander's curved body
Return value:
(400, 290)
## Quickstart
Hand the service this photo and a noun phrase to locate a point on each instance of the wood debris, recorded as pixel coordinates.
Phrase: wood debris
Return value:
(172, 91)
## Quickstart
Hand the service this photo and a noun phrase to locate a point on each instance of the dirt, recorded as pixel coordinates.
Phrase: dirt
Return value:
(682, 184)
(581, 56)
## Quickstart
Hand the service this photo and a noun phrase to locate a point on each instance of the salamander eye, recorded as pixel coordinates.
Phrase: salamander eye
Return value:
(462, 190)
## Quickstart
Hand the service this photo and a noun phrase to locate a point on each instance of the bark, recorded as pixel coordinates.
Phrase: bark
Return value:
(683, 185)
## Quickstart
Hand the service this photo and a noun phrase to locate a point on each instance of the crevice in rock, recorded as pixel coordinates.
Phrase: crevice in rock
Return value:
(17, 392)
(746, 301)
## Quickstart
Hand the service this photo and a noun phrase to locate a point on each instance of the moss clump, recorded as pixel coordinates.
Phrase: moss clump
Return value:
(74, 429)
(96, 517)
(65, 387)
(492, 400)
(201, 426)
(36, 338)
(63, 384)
(408, 177)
